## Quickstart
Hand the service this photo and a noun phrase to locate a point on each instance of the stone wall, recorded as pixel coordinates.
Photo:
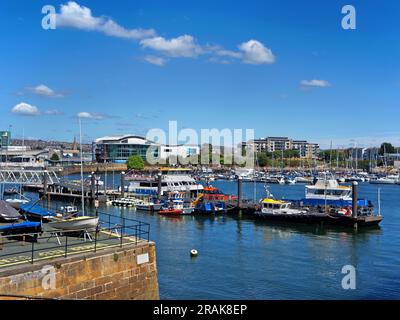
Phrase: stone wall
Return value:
(122, 273)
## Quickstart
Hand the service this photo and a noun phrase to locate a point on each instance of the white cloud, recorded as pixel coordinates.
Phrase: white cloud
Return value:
(90, 115)
(183, 46)
(43, 90)
(94, 115)
(25, 109)
(229, 53)
(158, 61)
(315, 83)
(254, 52)
(80, 17)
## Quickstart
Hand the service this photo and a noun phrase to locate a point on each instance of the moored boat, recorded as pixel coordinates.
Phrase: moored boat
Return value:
(16, 203)
(8, 213)
(35, 212)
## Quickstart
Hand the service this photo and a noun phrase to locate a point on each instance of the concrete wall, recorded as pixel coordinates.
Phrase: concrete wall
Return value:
(123, 273)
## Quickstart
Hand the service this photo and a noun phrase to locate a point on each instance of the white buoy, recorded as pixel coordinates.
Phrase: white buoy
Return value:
(193, 253)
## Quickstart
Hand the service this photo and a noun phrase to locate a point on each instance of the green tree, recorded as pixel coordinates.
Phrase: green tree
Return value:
(262, 159)
(135, 163)
(386, 147)
(54, 157)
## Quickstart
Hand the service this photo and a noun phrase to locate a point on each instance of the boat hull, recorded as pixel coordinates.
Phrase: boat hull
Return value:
(80, 223)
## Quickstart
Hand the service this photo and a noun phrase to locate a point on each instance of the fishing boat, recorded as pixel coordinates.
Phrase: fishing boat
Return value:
(8, 213)
(274, 207)
(211, 193)
(205, 207)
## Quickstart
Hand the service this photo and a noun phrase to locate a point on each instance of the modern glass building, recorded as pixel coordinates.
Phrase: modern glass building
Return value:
(118, 149)
(5, 139)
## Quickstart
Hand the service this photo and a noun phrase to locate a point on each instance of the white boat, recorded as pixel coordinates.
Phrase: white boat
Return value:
(278, 207)
(172, 179)
(148, 206)
(275, 180)
(125, 202)
(328, 189)
(303, 180)
(69, 210)
(385, 180)
(83, 222)
(79, 223)
(16, 203)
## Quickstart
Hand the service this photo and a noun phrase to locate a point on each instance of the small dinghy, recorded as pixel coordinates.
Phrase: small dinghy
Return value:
(8, 213)
(77, 223)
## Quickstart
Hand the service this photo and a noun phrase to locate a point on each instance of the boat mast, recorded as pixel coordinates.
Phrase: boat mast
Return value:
(82, 189)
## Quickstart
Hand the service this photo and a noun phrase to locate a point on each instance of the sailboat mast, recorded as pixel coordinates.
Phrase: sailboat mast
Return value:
(82, 189)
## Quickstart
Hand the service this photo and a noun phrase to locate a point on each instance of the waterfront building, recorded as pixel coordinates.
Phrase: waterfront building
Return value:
(5, 139)
(117, 149)
(271, 144)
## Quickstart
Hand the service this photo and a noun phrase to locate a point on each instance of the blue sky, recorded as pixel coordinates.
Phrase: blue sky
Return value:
(280, 67)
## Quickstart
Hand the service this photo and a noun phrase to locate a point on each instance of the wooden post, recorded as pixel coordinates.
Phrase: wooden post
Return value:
(240, 186)
(159, 184)
(355, 203)
(122, 184)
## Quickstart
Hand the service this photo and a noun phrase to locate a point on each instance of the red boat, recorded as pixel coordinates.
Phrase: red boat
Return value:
(171, 211)
(212, 193)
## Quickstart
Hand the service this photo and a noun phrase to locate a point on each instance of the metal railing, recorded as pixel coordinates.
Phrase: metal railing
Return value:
(111, 231)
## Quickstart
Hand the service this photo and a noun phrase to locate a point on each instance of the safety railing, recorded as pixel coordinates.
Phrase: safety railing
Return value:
(111, 231)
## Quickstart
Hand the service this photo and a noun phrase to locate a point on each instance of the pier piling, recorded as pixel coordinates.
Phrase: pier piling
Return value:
(122, 184)
(240, 190)
(159, 184)
(355, 203)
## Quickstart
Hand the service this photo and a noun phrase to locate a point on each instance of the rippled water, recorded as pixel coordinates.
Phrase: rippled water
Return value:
(246, 259)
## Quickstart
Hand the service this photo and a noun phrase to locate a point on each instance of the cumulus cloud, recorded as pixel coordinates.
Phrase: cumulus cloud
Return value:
(75, 16)
(44, 90)
(315, 83)
(183, 46)
(254, 52)
(25, 109)
(158, 61)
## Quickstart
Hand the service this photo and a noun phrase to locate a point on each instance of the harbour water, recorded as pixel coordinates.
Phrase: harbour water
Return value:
(248, 259)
